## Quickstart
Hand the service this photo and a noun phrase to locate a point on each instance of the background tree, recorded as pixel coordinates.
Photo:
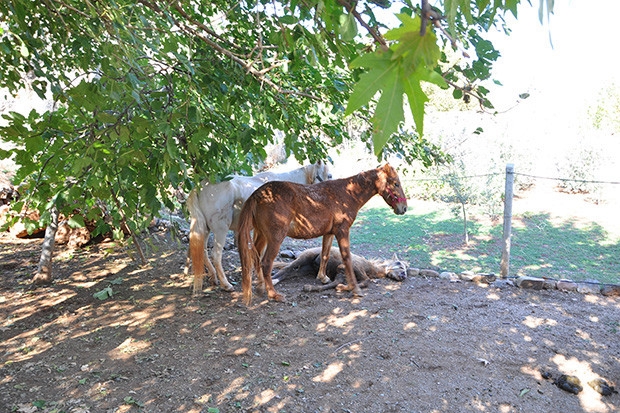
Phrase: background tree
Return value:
(153, 95)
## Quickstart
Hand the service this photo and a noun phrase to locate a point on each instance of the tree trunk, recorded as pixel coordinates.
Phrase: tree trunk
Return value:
(44, 272)
(465, 224)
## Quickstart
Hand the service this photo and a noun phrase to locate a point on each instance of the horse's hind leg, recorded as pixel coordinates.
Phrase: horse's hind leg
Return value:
(260, 243)
(267, 264)
(219, 240)
(197, 254)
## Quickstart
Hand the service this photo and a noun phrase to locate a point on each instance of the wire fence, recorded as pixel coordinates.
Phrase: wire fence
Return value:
(583, 181)
(561, 231)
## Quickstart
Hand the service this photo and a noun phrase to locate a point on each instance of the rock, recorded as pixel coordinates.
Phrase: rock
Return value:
(610, 290)
(468, 276)
(62, 233)
(450, 276)
(73, 237)
(547, 375)
(589, 287)
(19, 230)
(550, 284)
(4, 214)
(568, 383)
(477, 278)
(602, 387)
(412, 272)
(530, 282)
(8, 194)
(78, 237)
(429, 273)
(502, 283)
(566, 285)
(487, 278)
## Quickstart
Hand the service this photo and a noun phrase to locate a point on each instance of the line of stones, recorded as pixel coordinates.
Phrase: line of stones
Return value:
(534, 283)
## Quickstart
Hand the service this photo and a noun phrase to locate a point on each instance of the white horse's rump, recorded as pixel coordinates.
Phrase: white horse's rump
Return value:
(215, 208)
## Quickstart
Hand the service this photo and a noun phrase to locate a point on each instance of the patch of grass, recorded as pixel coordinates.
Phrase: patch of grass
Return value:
(540, 247)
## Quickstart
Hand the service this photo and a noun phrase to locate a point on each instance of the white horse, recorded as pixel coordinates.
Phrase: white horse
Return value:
(215, 207)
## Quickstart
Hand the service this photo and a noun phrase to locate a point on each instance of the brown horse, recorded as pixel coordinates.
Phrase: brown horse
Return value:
(279, 209)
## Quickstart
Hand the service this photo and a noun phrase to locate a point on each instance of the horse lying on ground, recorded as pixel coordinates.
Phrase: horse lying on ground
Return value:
(309, 261)
(328, 209)
(215, 207)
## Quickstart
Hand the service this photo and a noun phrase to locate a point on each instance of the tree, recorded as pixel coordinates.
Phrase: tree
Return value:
(151, 94)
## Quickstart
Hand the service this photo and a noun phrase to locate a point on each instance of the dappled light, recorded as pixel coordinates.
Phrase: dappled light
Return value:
(330, 372)
(415, 345)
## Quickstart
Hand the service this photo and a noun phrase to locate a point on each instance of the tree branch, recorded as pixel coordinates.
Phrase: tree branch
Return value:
(371, 30)
(247, 66)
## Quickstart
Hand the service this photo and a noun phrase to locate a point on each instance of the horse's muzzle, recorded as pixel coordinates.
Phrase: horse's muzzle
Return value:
(400, 209)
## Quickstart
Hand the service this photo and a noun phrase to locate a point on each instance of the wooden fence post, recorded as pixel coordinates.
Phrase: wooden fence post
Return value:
(508, 195)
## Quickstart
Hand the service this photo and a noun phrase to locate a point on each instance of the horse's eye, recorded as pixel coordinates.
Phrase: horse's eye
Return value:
(396, 184)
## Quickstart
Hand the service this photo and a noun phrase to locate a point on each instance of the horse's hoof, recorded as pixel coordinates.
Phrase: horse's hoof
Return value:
(279, 298)
(357, 292)
(342, 287)
(324, 279)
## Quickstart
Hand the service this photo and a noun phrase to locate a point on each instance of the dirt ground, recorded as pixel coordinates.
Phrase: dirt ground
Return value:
(421, 345)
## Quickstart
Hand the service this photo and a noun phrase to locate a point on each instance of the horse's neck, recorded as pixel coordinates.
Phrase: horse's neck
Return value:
(300, 176)
(381, 267)
(366, 183)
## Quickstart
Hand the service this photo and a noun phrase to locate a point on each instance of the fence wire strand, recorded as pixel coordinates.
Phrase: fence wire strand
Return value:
(584, 181)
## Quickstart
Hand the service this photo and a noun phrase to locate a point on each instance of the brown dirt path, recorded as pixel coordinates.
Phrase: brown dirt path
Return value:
(423, 345)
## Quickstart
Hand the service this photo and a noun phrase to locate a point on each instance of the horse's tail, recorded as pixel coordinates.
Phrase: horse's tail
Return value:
(198, 229)
(247, 251)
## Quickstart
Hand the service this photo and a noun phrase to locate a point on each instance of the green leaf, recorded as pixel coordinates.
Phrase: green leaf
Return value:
(104, 294)
(417, 98)
(369, 60)
(389, 111)
(172, 148)
(412, 47)
(348, 27)
(106, 117)
(76, 221)
(288, 19)
(370, 83)
(23, 50)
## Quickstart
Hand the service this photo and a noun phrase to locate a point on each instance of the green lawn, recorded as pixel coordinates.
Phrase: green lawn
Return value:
(541, 247)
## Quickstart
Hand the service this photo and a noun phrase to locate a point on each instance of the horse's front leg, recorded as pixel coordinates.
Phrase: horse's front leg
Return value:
(345, 251)
(327, 246)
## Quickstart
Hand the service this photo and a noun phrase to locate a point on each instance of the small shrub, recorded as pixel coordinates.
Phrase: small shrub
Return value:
(578, 169)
